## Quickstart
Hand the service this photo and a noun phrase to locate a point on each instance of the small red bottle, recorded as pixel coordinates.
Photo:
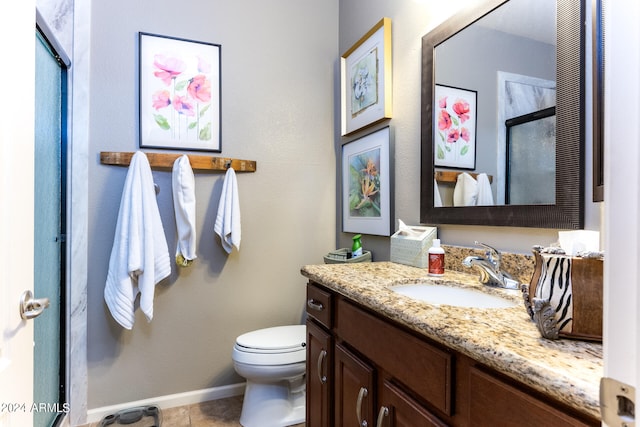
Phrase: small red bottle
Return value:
(436, 259)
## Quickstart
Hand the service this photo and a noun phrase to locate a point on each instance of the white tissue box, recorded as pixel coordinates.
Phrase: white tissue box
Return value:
(413, 250)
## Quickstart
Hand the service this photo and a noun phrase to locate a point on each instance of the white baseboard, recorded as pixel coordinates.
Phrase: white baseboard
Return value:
(170, 401)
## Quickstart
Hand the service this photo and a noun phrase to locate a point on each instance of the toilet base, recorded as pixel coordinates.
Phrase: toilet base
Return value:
(274, 404)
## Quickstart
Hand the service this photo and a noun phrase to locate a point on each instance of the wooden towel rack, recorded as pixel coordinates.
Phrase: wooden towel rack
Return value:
(166, 160)
(452, 176)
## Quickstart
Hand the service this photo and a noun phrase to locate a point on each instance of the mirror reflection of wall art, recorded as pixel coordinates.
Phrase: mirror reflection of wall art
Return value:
(179, 93)
(454, 133)
(366, 79)
(366, 185)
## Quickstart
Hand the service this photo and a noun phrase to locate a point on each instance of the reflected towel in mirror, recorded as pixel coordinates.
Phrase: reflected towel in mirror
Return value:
(465, 192)
(437, 199)
(485, 196)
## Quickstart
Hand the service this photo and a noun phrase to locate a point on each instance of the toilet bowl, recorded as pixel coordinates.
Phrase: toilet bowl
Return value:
(273, 361)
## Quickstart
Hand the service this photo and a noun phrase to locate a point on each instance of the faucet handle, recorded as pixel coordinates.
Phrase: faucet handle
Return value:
(492, 254)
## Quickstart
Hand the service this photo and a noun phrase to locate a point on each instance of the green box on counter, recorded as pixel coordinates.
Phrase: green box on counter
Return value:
(413, 248)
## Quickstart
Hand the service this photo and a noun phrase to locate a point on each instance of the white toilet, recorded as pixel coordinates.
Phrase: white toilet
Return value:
(272, 361)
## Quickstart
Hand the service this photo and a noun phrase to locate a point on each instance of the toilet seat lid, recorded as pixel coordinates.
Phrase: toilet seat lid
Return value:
(278, 338)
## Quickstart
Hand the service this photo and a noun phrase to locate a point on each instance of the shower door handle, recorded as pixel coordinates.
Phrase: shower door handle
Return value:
(31, 307)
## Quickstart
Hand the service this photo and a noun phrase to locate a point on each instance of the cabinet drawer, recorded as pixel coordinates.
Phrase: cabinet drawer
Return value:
(422, 367)
(494, 402)
(319, 305)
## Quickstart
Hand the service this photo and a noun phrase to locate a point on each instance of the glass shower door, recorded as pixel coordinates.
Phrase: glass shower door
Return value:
(49, 247)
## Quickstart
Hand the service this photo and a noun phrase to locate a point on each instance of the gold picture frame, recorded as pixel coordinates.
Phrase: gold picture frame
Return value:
(366, 79)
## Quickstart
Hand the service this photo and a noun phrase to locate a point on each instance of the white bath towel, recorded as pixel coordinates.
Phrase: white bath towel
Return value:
(465, 192)
(485, 196)
(184, 206)
(437, 199)
(140, 256)
(227, 224)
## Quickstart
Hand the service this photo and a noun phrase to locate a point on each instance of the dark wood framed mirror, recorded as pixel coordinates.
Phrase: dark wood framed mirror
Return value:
(598, 99)
(567, 60)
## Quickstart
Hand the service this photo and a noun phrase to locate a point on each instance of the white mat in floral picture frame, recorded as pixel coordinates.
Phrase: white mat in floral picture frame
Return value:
(454, 130)
(180, 99)
(367, 184)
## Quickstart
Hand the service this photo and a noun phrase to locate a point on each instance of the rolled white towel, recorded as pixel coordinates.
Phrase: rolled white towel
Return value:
(184, 205)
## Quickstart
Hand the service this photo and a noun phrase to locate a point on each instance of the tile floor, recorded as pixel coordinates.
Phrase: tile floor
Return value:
(215, 413)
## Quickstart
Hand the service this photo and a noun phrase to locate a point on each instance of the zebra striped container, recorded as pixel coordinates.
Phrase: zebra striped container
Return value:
(564, 297)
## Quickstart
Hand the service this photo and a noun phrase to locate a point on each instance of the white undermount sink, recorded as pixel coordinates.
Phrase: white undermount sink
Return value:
(446, 295)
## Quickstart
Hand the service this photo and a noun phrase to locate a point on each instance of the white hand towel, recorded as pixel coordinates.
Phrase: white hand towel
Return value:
(485, 196)
(437, 199)
(465, 192)
(227, 224)
(184, 205)
(140, 256)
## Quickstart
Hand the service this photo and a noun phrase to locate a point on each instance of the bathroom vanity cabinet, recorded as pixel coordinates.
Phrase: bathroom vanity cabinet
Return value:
(365, 369)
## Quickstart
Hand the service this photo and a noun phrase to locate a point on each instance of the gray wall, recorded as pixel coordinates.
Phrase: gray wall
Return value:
(410, 21)
(281, 108)
(278, 78)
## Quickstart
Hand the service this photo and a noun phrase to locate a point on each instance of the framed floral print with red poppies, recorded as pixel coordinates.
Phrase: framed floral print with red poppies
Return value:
(454, 131)
(180, 99)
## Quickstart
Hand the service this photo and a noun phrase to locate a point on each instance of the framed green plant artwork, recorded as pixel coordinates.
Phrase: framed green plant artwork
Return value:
(366, 184)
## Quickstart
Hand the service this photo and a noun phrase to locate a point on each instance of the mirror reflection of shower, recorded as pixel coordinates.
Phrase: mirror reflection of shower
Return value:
(507, 57)
(531, 159)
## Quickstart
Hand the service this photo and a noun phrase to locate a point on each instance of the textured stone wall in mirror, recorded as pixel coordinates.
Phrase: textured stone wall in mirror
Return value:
(58, 15)
(509, 58)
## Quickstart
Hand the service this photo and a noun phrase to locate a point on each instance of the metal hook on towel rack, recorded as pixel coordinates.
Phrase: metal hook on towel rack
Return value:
(227, 164)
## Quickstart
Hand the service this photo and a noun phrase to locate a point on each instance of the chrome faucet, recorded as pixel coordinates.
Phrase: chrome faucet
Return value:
(489, 267)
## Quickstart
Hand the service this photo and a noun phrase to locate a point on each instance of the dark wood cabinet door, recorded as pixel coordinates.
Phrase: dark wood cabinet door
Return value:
(494, 402)
(398, 409)
(319, 376)
(354, 390)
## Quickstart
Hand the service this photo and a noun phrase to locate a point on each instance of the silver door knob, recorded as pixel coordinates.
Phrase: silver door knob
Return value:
(30, 307)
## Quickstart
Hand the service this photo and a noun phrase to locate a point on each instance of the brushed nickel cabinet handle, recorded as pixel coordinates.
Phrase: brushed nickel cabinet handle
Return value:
(317, 306)
(361, 395)
(384, 412)
(321, 358)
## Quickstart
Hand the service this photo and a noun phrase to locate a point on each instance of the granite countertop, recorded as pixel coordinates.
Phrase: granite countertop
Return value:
(504, 338)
